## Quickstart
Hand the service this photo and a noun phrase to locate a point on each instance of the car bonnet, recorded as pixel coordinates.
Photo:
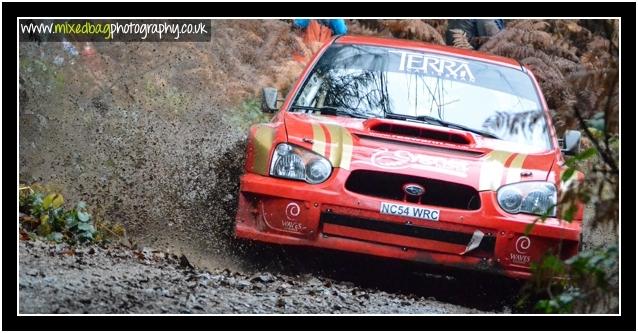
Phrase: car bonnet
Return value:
(410, 148)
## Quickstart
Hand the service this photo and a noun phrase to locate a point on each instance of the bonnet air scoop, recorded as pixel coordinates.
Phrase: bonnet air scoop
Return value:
(418, 131)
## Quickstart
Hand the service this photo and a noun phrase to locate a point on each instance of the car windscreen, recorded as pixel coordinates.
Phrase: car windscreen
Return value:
(377, 81)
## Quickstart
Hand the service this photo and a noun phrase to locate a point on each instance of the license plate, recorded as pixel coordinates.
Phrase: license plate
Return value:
(409, 211)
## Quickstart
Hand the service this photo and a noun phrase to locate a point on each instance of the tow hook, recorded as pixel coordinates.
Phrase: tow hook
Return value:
(475, 241)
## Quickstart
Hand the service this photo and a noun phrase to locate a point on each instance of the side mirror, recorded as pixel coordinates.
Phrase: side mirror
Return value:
(269, 100)
(571, 142)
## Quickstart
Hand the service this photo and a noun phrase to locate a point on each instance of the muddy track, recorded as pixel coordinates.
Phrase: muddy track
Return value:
(472, 290)
(117, 279)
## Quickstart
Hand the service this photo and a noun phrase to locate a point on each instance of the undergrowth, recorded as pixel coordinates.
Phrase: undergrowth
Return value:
(43, 215)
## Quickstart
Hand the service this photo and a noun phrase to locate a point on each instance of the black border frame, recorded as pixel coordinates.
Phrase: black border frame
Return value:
(627, 320)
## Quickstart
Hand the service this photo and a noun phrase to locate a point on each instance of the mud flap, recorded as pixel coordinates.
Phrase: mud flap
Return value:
(474, 243)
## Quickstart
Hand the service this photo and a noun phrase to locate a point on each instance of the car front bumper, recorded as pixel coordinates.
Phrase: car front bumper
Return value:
(289, 212)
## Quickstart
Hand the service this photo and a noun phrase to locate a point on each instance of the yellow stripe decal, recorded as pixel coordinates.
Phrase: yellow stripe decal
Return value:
(340, 146)
(319, 139)
(492, 170)
(335, 144)
(264, 136)
(346, 156)
(514, 171)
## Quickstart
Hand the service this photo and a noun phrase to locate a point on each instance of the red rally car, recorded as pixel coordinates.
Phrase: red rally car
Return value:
(413, 151)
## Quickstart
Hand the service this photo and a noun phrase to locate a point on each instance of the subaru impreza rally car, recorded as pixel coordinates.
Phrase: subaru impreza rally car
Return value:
(407, 150)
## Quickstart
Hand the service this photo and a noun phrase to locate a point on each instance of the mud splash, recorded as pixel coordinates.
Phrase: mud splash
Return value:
(150, 133)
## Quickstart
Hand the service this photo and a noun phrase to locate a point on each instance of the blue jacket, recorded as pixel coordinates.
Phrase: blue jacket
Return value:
(338, 26)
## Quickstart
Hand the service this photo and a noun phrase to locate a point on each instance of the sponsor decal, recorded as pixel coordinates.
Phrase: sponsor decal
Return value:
(520, 259)
(292, 210)
(292, 226)
(290, 223)
(401, 159)
(431, 65)
(409, 211)
(521, 246)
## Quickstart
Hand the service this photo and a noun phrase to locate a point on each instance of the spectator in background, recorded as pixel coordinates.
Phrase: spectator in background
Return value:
(315, 34)
(338, 26)
(473, 28)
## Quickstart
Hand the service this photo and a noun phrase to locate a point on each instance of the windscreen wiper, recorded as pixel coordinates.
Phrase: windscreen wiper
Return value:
(439, 122)
(330, 110)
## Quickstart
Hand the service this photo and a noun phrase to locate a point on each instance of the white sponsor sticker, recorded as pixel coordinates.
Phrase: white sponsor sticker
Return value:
(409, 211)
(401, 159)
(522, 245)
(292, 211)
(432, 65)
(520, 259)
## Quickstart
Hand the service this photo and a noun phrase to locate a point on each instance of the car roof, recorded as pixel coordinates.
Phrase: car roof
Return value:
(427, 47)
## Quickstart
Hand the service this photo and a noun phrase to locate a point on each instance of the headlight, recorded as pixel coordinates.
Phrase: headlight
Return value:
(294, 162)
(536, 198)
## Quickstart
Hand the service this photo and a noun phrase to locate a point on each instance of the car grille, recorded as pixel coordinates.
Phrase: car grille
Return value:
(454, 237)
(390, 186)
